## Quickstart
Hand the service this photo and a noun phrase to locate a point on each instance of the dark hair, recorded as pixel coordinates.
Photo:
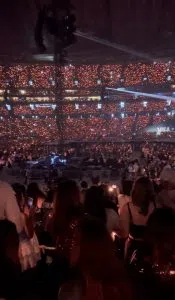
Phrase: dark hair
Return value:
(95, 180)
(92, 228)
(66, 204)
(160, 235)
(142, 194)
(32, 189)
(105, 188)
(34, 192)
(84, 185)
(161, 226)
(97, 256)
(94, 204)
(50, 196)
(127, 187)
(19, 190)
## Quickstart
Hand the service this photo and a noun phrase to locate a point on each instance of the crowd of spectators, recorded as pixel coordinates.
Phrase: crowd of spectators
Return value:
(90, 129)
(82, 240)
(89, 106)
(5, 128)
(105, 149)
(92, 240)
(22, 110)
(138, 72)
(158, 72)
(86, 76)
(116, 107)
(42, 111)
(80, 128)
(159, 119)
(41, 76)
(147, 106)
(3, 111)
(158, 136)
(82, 118)
(98, 128)
(142, 122)
(16, 76)
(29, 130)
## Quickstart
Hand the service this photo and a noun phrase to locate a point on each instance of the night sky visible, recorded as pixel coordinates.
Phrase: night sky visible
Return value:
(144, 25)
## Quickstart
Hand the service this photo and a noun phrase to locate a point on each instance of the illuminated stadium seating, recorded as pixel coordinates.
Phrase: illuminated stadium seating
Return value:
(30, 108)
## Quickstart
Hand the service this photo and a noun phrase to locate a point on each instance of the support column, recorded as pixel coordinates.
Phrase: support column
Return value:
(58, 91)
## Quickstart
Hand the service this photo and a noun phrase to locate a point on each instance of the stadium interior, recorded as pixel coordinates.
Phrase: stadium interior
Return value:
(114, 85)
(87, 149)
(108, 102)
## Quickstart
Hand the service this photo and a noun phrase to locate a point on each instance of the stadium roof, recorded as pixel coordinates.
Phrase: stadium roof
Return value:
(137, 30)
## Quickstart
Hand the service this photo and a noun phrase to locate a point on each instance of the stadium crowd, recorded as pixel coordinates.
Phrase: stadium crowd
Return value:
(97, 119)
(94, 239)
(42, 130)
(89, 106)
(37, 76)
(91, 240)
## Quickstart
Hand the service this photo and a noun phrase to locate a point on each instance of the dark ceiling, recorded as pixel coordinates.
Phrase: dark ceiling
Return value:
(145, 26)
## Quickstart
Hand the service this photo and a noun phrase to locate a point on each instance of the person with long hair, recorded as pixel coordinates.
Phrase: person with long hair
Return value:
(64, 225)
(158, 266)
(94, 203)
(160, 236)
(134, 215)
(98, 205)
(102, 275)
(64, 231)
(35, 201)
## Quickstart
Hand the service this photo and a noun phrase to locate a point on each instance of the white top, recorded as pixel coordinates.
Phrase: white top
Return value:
(9, 208)
(137, 218)
(112, 223)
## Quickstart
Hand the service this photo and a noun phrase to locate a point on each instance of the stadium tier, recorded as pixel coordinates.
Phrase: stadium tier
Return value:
(86, 76)
(33, 110)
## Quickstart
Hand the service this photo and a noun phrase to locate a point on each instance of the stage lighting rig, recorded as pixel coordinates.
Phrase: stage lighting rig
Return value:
(39, 29)
(69, 29)
(59, 21)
